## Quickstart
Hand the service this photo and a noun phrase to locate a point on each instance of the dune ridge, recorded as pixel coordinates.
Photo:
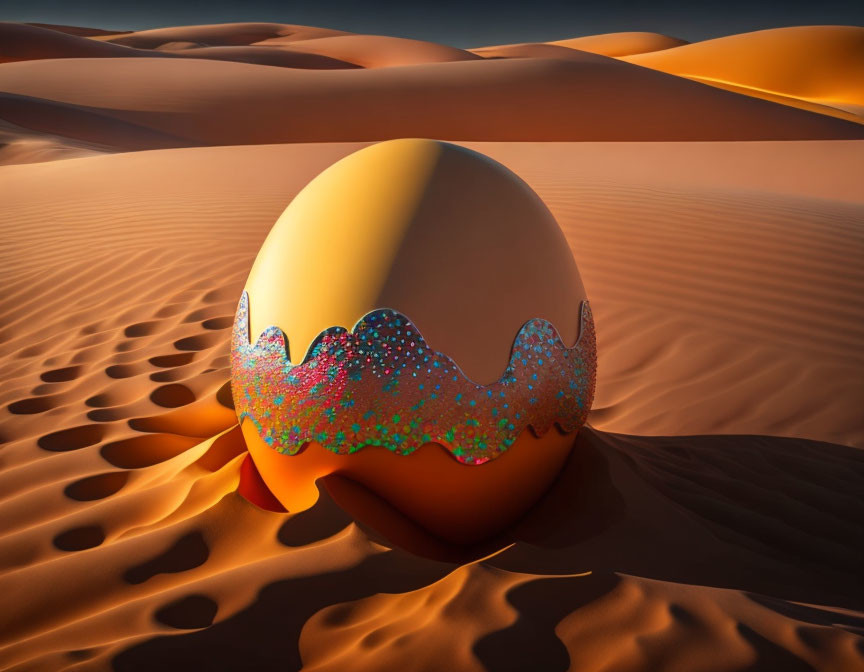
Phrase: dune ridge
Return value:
(84, 31)
(821, 65)
(621, 44)
(23, 42)
(219, 34)
(204, 101)
(608, 44)
(376, 51)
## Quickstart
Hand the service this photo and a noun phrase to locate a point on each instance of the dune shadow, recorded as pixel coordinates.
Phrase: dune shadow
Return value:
(767, 515)
(772, 517)
(187, 552)
(265, 635)
(531, 643)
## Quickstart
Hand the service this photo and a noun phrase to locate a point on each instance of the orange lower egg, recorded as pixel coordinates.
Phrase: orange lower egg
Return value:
(457, 504)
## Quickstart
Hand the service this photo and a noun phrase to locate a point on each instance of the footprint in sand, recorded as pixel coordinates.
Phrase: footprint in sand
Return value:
(171, 361)
(146, 450)
(198, 342)
(118, 371)
(61, 375)
(188, 613)
(142, 329)
(223, 322)
(96, 487)
(80, 538)
(172, 396)
(188, 552)
(73, 438)
(34, 405)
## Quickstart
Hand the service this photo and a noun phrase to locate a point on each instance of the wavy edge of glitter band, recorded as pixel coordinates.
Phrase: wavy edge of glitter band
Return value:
(583, 308)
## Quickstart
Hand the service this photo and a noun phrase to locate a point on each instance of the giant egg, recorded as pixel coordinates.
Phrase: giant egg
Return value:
(415, 324)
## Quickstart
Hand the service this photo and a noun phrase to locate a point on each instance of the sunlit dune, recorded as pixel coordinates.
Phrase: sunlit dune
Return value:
(816, 64)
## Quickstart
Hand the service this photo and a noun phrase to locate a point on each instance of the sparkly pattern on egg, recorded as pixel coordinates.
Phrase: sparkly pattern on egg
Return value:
(381, 385)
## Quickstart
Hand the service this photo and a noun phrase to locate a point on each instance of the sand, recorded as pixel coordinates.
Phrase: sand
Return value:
(802, 66)
(608, 44)
(708, 518)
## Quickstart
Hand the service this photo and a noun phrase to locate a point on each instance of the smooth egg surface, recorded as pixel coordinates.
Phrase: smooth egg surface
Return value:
(444, 235)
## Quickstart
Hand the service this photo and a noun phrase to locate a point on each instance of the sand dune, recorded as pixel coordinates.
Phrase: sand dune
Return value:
(539, 50)
(20, 145)
(621, 44)
(675, 549)
(819, 64)
(209, 102)
(283, 58)
(609, 44)
(21, 42)
(378, 51)
(79, 30)
(220, 35)
(77, 123)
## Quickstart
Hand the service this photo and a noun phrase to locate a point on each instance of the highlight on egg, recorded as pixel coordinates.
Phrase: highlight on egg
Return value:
(415, 325)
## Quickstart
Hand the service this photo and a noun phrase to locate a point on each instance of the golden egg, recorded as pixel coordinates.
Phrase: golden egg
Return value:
(415, 324)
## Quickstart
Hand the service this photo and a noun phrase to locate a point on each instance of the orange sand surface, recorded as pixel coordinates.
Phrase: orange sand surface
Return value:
(822, 65)
(709, 518)
(614, 44)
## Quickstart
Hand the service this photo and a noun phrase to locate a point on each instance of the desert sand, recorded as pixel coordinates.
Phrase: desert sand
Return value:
(823, 65)
(709, 517)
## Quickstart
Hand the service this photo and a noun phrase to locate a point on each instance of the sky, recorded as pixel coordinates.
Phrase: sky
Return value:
(462, 23)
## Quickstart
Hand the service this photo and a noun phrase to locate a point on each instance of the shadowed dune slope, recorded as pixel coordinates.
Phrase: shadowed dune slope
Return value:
(282, 58)
(725, 289)
(822, 64)
(220, 34)
(22, 42)
(19, 145)
(378, 51)
(79, 30)
(78, 123)
(210, 102)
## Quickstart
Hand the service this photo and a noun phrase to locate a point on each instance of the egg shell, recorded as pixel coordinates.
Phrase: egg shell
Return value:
(465, 249)
(440, 233)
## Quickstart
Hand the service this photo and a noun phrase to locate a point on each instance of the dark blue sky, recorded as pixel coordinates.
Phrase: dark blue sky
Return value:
(461, 23)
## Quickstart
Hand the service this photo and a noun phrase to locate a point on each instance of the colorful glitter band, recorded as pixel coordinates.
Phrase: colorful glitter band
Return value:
(381, 385)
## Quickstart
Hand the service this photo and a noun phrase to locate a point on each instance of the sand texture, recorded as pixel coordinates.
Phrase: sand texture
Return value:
(709, 517)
